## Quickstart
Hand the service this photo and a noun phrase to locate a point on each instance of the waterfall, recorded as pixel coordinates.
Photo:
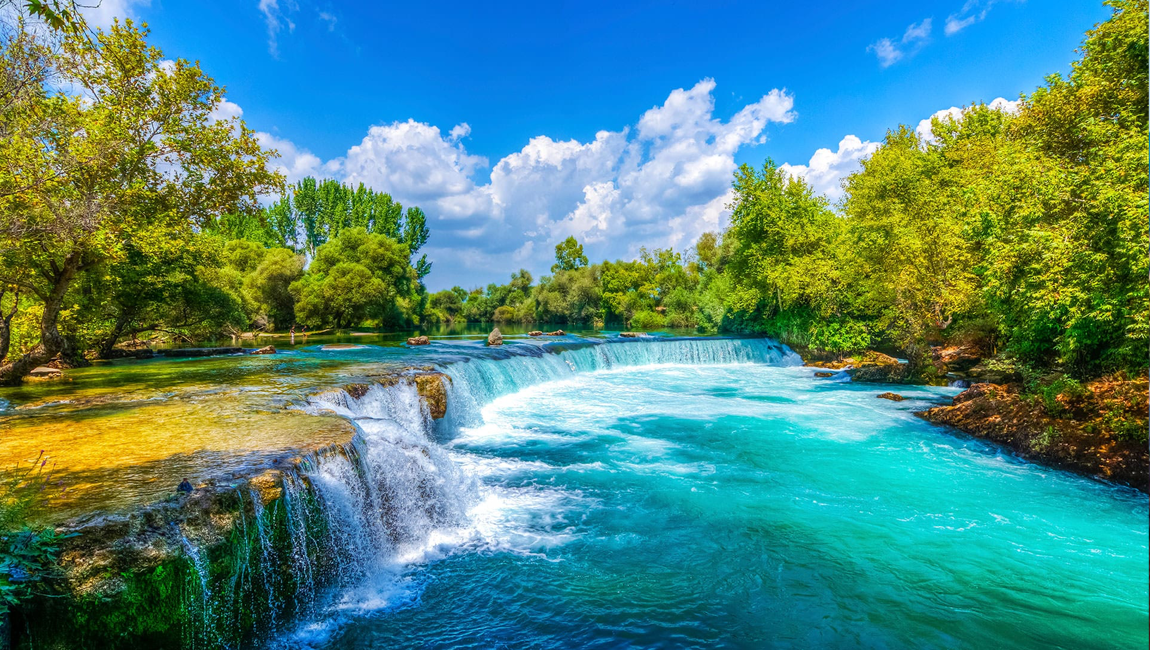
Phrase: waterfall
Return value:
(393, 496)
(476, 382)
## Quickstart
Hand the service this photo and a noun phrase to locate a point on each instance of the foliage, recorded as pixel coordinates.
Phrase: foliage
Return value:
(27, 555)
(840, 337)
(569, 256)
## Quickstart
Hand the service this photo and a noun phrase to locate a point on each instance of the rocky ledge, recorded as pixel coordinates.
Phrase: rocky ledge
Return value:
(1099, 430)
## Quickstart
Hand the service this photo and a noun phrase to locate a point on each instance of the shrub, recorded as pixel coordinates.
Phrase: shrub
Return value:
(648, 320)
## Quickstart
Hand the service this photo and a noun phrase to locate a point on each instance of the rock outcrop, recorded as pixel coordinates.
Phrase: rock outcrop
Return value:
(418, 340)
(45, 372)
(1099, 431)
(495, 337)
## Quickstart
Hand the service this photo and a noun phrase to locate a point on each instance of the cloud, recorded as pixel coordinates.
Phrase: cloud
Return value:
(275, 19)
(329, 19)
(294, 162)
(661, 182)
(972, 12)
(955, 113)
(101, 14)
(827, 169)
(225, 110)
(913, 39)
(460, 131)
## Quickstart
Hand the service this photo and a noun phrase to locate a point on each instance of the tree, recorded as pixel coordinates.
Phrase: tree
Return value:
(130, 149)
(569, 255)
(329, 293)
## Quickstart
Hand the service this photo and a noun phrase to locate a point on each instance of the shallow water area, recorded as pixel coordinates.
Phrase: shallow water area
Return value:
(748, 505)
(124, 433)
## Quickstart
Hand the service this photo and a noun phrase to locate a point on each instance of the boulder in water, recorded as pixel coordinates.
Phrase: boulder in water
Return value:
(824, 374)
(632, 335)
(432, 387)
(495, 337)
(45, 372)
(535, 333)
(418, 340)
(267, 349)
(557, 333)
(894, 397)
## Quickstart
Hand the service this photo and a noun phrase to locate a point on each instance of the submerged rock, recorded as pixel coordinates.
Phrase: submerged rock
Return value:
(267, 349)
(418, 340)
(495, 337)
(894, 397)
(824, 375)
(632, 335)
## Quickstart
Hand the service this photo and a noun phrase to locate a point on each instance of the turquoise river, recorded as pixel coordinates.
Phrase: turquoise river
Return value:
(702, 493)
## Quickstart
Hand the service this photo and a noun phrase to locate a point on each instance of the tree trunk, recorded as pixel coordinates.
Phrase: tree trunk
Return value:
(5, 336)
(109, 342)
(51, 341)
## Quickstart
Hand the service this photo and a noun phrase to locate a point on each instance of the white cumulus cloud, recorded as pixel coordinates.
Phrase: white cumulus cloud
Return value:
(660, 182)
(827, 169)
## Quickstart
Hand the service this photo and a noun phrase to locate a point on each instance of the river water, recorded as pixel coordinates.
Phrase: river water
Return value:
(707, 494)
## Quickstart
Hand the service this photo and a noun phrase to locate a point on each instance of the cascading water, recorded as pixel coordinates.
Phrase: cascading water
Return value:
(396, 496)
(686, 493)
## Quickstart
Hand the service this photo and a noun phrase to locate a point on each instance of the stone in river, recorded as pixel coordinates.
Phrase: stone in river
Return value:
(894, 397)
(44, 372)
(267, 349)
(495, 337)
(824, 374)
(418, 340)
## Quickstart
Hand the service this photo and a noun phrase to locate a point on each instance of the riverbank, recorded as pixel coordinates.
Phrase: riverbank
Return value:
(1099, 431)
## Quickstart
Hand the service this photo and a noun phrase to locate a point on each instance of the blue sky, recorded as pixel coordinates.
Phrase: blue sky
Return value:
(513, 126)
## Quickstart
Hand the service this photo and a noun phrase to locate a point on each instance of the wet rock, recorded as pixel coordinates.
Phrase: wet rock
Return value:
(44, 372)
(632, 335)
(535, 333)
(899, 373)
(894, 397)
(418, 340)
(181, 353)
(557, 333)
(824, 375)
(357, 390)
(432, 386)
(268, 486)
(495, 337)
(267, 349)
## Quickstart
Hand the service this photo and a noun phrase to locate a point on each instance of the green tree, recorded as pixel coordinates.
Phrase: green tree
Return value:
(86, 162)
(569, 255)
